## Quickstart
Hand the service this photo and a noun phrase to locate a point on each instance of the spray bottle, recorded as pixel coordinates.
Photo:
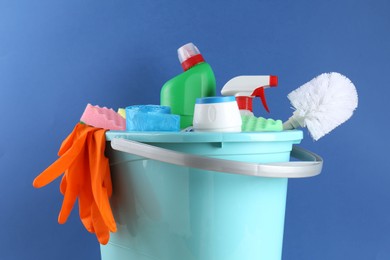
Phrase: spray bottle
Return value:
(246, 88)
(197, 81)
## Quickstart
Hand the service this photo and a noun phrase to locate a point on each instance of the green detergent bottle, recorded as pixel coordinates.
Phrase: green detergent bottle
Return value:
(197, 80)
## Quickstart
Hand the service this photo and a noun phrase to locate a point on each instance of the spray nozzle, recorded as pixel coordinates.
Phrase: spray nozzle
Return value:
(245, 88)
(259, 92)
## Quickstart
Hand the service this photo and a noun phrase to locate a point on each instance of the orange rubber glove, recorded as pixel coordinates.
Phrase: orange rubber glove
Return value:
(86, 178)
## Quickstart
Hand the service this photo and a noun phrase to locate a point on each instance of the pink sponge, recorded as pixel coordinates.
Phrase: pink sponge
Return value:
(103, 117)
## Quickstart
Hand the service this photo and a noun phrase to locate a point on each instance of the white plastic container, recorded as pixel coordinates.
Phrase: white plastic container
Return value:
(217, 114)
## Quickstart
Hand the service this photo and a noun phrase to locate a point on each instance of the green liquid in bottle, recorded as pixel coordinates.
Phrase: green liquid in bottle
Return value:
(181, 92)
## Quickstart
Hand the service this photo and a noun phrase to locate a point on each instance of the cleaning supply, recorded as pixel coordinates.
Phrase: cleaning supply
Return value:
(322, 104)
(253, 124)
(122, 112)
(103, 117)
(197, 80)
(217, 114)
(86, 178)
(202, 196)
(245, 88)
(151, 118)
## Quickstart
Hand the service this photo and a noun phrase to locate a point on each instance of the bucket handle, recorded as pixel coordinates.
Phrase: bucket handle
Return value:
(310, 164)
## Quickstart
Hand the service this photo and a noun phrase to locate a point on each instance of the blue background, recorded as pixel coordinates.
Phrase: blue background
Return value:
(57, 56)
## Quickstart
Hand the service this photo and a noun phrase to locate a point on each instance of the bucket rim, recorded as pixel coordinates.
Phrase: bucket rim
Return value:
(294, 136)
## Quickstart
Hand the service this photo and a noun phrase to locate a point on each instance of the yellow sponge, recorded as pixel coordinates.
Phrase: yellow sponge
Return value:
(122, 112)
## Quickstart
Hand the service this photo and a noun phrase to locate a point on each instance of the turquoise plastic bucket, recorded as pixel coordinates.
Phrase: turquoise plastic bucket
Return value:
(169, 212)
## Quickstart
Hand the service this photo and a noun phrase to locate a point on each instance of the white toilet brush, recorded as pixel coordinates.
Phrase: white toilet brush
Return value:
(322, 104)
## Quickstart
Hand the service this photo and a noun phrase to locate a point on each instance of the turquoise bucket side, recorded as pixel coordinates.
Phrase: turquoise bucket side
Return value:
(169, 212)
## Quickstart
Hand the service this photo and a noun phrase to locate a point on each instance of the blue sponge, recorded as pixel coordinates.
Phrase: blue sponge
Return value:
(151, 118)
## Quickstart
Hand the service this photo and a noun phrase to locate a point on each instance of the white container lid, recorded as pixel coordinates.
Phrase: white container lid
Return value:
(187, 51)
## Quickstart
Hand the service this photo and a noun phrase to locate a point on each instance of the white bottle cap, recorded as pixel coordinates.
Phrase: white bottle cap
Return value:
(187, 51)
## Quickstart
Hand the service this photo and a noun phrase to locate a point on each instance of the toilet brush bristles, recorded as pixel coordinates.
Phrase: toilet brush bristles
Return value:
(322, 104)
